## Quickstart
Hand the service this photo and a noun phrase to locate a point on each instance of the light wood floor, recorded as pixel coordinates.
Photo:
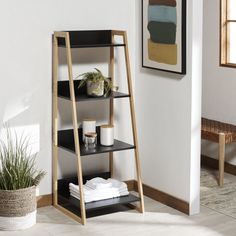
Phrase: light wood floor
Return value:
(219, 199)
(158, 220)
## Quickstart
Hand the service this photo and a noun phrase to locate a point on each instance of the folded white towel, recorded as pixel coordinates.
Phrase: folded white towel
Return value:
(99, 189)
(96, 195)
(98, 183)
(88, 191)
(117, 184)
(93, 197)
(124, 193)
(111, 194)
(76, 188)
(122, 189)
(87, 200)
(96, 198)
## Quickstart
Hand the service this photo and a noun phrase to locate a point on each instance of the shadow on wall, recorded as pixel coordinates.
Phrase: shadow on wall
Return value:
(17, 113)
(23, 109)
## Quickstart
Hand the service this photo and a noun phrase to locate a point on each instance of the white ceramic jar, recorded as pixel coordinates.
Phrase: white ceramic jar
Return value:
(88, 126)
(107, 135)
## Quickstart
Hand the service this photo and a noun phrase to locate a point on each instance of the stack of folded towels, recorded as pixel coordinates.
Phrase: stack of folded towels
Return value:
(99, 189)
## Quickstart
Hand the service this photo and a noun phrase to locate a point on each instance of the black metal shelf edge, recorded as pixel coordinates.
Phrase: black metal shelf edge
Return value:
(66, 200)
(89, 38)
(66, 141)
(80, 94)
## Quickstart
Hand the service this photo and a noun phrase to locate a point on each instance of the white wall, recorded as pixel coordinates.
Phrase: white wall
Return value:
(26, 71)
(219, 83)
(169, 118)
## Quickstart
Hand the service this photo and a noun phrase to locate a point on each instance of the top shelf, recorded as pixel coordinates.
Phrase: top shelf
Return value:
(90, 39)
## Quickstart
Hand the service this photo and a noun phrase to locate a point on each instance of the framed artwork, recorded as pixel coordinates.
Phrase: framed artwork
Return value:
(164, 35)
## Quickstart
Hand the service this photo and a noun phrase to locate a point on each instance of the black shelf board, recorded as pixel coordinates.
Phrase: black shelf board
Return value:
(80, 94)
(89, 39)
(92, 208)
(66, 199)
(66, 141)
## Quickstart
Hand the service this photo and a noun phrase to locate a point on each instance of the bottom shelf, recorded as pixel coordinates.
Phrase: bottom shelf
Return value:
(92, 208)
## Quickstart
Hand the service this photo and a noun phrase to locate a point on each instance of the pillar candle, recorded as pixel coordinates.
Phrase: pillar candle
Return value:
(107, 135)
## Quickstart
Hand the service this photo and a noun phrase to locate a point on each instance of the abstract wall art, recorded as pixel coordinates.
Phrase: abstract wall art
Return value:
(164, 35)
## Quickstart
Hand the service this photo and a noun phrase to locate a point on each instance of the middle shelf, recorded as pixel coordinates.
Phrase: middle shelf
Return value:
(66, 141)
(80, 94)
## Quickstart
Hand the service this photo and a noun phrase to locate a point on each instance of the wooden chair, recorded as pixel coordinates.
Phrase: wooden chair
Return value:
(221, 133)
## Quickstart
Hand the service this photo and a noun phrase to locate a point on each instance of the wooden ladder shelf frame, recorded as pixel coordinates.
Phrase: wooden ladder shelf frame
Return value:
(66, 37)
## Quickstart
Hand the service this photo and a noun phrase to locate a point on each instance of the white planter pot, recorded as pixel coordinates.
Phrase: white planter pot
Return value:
(17, 208)
(95, 89)
(18, 223)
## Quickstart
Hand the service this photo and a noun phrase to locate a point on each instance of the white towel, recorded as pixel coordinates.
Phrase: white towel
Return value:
(91, 195)
(89, 191)
(99, 189)
(98, 183)
(92, 198)
(124, 193)
(97, 195)
(117, 184)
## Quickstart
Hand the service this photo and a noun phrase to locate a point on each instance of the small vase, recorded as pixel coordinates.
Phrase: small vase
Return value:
(95, 89)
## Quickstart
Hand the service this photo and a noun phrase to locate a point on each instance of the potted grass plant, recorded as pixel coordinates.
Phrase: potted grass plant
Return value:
(18, 180)
(97, 84)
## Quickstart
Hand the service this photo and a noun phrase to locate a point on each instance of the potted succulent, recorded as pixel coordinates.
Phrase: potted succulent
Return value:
(18, 181)
(97, 84)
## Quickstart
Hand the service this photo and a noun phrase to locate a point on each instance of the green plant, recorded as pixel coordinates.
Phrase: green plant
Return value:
(96, 77)
(17, 165)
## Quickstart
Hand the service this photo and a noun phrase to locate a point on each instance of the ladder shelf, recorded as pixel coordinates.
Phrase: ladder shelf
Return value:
(71, 139)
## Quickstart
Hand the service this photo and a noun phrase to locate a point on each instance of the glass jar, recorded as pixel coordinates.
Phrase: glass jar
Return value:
(90, 140)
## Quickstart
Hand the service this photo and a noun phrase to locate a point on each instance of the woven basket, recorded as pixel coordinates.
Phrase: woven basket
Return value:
(17, 208)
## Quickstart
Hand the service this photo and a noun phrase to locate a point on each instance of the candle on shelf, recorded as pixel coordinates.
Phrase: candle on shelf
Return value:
(89, 126)
(107, 135)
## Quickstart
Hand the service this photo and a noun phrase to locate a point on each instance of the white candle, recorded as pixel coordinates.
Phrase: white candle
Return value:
(89, 126)
(107, 135)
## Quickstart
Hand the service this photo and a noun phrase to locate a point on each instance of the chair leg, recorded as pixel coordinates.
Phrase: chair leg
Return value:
(221, 158)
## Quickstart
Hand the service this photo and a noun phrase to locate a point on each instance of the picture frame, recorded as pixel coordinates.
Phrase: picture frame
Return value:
(164, 35)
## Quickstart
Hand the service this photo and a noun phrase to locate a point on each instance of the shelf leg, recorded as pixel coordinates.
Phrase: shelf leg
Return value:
(111, 109)
(55, 120)
(133, 119)
(75, 125)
